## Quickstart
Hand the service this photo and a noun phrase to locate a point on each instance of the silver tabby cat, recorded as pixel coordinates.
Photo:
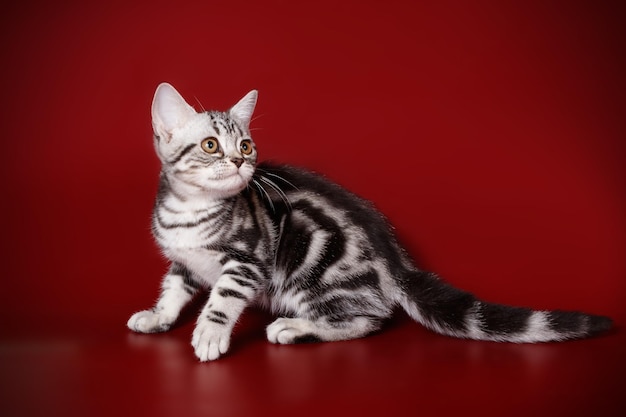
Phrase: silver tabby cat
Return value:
(320, 258)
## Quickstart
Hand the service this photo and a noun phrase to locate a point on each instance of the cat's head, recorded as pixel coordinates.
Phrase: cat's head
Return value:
(210, 153)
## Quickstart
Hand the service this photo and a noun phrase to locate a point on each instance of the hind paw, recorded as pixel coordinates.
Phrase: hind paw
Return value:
(289, 331)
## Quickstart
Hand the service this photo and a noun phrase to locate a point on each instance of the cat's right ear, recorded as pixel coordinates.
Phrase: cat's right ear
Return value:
(169, 111)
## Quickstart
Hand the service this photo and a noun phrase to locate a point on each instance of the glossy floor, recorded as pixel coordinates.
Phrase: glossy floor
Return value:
(98, 368)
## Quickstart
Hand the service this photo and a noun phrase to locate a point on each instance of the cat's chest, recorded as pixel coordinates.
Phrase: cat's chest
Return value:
(185, 237)
(204, 263)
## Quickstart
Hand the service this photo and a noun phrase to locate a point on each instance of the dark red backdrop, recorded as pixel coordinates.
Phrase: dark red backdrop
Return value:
(491, 133)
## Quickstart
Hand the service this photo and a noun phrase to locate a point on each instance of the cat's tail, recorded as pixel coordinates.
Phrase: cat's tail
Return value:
(453, 312)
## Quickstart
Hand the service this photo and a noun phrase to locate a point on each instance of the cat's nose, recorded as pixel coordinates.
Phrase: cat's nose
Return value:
(237, 161)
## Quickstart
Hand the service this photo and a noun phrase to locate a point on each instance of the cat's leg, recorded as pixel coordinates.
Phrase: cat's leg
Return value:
(234, 290)
(177, 290)
(300, 330)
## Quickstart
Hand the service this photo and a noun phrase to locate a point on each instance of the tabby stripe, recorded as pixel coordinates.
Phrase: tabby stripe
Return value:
(567, 321)
(367, 283)
(189, 289)
(180, 156)
(243, 283)
(243, 272)
(340, 309)
(227, 292)
(190, 285)
(165, 225)
(232, 254)
(499, 319)
(295, 246)
(217, 317)
(169, 209)
(228, 127)
(219, 314)
(438, 302)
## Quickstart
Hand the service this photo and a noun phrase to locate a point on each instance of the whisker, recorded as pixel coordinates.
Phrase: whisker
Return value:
(258, 116)
(200, 104)
(264, 193)
(276, 188)
(279, 177)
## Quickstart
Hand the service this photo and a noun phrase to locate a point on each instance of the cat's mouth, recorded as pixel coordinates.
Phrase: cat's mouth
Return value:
(232, 182)
(231, 176)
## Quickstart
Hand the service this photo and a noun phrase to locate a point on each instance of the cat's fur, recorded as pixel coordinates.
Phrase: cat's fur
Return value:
(319, 257)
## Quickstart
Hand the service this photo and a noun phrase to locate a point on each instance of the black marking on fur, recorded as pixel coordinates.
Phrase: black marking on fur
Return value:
(295, 244)
(189, 289)
(196, 223)
(179, 269)
(229, 253)
(247, 273)
(191, 286)
(333, 251)
(500, 319)
(307, 338)
(230, 271)
(568, 321)
(225, 122)
(182, 153)
(358, 210)
(293, 247)
(219, 314)
(439, 302)
(216, 320)
(365, 255)
(227, 292)
(367, 279)
(249, 236)
(598, 324)
(161, 328)
(243, 282)
(344, 309)
(240, 256)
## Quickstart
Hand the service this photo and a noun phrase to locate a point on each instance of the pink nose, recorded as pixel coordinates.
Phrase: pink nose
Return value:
(237, 161)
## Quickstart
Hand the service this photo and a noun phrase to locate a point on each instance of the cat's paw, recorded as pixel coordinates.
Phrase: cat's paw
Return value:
(210, 340)
(148, 321)
(289, 331)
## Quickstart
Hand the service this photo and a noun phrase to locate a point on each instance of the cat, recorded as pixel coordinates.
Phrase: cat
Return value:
(316, 255)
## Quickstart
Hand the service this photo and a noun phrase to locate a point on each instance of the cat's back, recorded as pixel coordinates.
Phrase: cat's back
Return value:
(300, 184)
(309, 201)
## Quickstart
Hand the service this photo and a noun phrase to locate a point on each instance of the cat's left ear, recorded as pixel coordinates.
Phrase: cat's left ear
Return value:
(242, 111)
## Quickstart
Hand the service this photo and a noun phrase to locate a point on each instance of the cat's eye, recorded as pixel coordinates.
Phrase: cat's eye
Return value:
(210, 145)
(246, 147)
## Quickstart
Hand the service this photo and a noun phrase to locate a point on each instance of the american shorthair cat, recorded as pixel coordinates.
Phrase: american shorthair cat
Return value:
(317, 256)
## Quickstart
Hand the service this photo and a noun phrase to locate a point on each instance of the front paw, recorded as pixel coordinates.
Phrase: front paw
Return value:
(210, 340)
(148, 321)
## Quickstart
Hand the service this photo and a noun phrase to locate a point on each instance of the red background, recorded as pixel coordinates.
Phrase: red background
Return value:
(490, 133)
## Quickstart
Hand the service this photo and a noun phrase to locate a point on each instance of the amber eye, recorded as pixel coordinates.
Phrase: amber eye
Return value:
(246, 147)
(209, 145)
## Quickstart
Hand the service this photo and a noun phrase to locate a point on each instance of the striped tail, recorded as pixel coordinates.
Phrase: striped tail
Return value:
(453, 312)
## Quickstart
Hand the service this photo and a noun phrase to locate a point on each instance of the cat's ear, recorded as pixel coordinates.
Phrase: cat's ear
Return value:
(169, 111)
(242, 111)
